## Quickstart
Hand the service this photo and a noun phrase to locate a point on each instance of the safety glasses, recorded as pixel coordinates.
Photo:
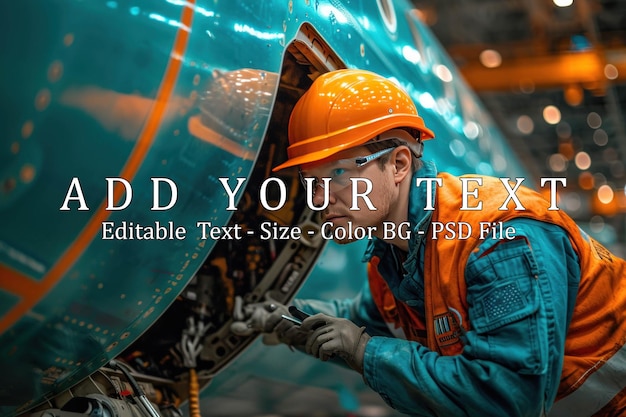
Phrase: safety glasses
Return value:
(341, 170)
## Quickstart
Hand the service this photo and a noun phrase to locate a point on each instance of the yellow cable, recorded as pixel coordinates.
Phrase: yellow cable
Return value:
(194, 391)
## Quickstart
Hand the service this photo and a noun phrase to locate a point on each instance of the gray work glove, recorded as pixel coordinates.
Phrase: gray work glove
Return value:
(330, 336)
(290, 334)
(258, 317)
(266, 317)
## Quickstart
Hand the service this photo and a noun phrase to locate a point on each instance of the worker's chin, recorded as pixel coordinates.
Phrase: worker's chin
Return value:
(342, 230)
(344, 241)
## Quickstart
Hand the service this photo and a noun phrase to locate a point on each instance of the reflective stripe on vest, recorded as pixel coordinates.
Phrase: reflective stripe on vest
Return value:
(597, 391)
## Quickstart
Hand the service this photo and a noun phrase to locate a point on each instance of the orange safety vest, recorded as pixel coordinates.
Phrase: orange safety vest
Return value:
(593, 380)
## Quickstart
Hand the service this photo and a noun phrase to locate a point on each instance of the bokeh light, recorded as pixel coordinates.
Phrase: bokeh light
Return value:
(582, 161)
(525, 124)
(490, 58)
(551, 114)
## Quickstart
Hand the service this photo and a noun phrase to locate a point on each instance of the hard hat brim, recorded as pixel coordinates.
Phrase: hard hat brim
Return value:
(309, 150)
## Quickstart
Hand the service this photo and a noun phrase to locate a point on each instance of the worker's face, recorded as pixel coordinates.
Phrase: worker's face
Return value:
(342, 170)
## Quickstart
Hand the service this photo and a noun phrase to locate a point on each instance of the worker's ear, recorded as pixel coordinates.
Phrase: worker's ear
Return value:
(401, 160)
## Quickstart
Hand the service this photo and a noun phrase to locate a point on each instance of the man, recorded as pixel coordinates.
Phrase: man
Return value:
(525, 324)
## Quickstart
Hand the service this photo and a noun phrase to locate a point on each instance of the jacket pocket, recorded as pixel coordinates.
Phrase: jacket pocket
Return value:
(506, 312)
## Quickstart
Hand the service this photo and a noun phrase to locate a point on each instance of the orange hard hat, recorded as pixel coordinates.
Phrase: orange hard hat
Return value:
(344, 109)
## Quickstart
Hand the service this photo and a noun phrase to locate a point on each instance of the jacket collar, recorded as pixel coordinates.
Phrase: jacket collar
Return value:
(418, 217)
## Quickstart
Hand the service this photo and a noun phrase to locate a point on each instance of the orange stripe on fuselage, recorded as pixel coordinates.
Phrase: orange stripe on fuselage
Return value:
(146, 138)
(15, 282)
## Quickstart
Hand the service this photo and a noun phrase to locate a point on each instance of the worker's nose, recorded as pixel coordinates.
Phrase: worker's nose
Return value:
(322, 195)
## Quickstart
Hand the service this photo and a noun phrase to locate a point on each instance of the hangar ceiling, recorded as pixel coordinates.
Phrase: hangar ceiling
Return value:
(554, 79)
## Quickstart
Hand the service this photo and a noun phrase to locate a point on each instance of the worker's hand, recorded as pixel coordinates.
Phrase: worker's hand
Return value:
(330, 336)
(266, 317)
(288, 333)
(258, 317)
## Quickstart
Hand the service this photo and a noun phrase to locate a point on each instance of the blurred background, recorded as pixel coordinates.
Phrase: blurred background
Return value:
(553, 75)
